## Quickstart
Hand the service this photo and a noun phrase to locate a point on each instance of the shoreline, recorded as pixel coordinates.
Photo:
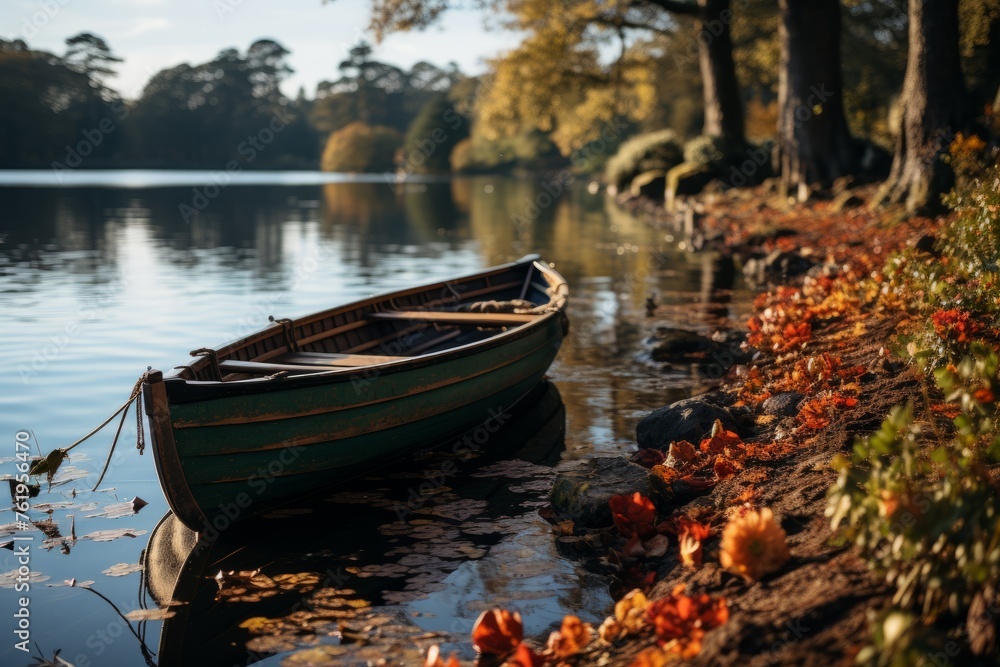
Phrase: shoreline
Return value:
(817, 606)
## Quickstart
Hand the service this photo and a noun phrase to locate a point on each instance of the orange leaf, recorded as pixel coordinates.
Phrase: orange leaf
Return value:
(571, 638)
(650, 657)
(683, 451)
(983, 395)
(434, 658)
(690, 534)
(497, 632)
(680, 621)
(725, 468)
(721, 440)
(525, 657)
(666, 473)
(633, 514)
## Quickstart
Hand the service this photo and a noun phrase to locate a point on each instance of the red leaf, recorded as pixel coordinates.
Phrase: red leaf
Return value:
(725, 468)
(525, 657)
(680, 621)
(633, 514)
(648, 457)
(497, 632)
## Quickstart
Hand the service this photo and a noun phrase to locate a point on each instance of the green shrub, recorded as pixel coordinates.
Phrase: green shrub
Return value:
(922, 506)
(714, 152)
(655, 151)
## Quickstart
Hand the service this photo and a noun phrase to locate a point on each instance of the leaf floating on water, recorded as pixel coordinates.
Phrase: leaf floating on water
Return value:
(12, 528)
(69, 474)
(49, 507)
(49, 527)
(388, 570)
(459, 510)
(402, 597)
(73, 583)
(123, 569)
(301, 582)
(50, 464)
(252, 586)
(150, 614)
(10, 579)
(114, 534)
(267, 644)
(114, 511)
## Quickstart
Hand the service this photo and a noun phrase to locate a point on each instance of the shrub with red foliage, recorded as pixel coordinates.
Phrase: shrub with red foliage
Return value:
(955, 324)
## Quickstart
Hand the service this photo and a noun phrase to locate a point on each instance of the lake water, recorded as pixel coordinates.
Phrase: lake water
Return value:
(103, 276)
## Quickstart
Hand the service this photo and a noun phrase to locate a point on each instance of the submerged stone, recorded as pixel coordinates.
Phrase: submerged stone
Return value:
(582, 494)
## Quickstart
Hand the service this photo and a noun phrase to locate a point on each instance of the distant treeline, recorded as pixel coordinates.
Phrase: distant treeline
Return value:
(60, 112)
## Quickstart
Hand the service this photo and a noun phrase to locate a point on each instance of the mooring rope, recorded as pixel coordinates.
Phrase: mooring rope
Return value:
(140, 440)
(213, 355)
(288, 327)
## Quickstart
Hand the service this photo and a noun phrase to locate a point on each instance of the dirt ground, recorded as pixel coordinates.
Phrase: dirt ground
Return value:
(816, 609)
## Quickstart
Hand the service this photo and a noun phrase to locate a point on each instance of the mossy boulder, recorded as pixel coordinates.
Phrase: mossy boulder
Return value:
(582, 494)
(654, 151)
(687, 178)
(651, 184)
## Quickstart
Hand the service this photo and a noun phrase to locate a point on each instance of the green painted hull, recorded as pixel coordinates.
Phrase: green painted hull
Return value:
(233, 455)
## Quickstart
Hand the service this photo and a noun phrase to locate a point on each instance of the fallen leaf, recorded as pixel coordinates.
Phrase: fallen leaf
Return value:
(150, 614)
(571, 638)
(108, 535)
(525, 657)
(122, 569)
(497, 632)
(633, 514)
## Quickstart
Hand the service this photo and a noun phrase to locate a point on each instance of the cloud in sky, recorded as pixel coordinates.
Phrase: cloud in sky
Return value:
(154, 34)
(143, 26)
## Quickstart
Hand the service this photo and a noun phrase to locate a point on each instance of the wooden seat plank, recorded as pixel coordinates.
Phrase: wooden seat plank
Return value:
(475, 319)
(261, 368)
(332, 359)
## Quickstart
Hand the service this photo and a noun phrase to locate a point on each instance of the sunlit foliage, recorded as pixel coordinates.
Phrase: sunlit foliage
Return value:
(360, 147)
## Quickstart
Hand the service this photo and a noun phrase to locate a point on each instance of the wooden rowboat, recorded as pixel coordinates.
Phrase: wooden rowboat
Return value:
(179, 565)
(308, 402)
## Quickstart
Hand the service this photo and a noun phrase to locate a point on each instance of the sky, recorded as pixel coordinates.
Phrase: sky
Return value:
(154, 34)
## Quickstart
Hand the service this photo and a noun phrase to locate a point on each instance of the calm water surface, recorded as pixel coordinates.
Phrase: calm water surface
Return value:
(97, 283)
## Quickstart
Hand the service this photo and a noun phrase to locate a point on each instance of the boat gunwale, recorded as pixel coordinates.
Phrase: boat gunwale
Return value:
(558, 295)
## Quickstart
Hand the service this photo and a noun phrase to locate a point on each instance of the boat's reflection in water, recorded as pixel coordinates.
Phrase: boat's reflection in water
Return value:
(368, 554)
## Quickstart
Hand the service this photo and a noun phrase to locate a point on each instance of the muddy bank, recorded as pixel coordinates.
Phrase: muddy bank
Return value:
(796, 396)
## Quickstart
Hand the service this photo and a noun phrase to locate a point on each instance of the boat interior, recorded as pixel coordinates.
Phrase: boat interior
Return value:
(388, 328)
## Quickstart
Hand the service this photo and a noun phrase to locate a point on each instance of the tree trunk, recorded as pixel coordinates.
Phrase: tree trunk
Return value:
(814, 144)
(723, 103)
(933, 106)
